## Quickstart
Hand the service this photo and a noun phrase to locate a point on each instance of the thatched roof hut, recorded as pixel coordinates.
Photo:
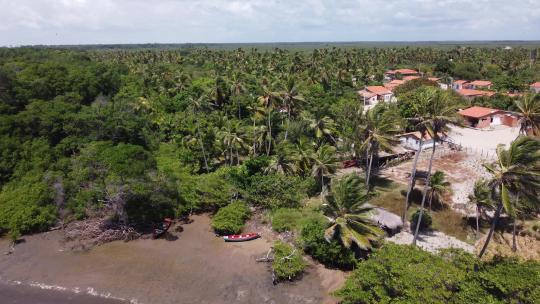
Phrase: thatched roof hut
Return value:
(386, 220)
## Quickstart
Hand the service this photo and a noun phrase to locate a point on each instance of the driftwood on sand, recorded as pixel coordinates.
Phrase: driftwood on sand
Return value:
(93, 232)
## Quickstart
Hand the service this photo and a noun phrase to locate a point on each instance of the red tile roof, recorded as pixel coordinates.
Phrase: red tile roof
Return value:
(481, 83)
(460, 81)
(402, 72)
(471, 93)
(379, 90)
(478, 112)
(408, 78)
(434, 79)
(535, 85)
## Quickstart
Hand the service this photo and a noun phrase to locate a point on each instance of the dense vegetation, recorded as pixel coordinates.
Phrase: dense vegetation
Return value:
(404, 274)
(141, 134)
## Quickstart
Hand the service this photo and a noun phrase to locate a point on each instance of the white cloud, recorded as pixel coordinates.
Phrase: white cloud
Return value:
(133, 21)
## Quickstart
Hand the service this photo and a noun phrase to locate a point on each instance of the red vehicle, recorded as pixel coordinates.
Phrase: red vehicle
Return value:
(241, 237)
(160, 231)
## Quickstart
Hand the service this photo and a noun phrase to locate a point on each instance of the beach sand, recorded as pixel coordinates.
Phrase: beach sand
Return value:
(194, 267)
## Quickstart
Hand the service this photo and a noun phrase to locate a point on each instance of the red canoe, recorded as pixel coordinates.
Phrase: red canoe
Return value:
(241, 237)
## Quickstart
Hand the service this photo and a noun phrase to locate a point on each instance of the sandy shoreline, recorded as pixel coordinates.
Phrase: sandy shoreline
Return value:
(195, 268)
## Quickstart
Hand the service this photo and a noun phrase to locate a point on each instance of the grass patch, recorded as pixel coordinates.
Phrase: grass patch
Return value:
(391, 196)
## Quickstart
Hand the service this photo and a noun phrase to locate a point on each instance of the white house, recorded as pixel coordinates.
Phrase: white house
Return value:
(479, 84)
(535, 87)
(458, 84)
(372, 95)
(411, 141)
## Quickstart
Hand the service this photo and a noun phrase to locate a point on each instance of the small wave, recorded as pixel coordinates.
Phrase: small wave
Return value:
(77, 290)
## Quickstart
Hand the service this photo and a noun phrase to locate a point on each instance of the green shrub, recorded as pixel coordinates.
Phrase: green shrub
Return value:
(285, 219)
(276, 190)
(288, 262)
(231, 218)
(331, 254)
(426, 220)
(405, 274)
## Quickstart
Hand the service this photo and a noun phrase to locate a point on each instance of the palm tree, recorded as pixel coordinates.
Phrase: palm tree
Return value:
(283, 160)
(517, 170)
(324, 163)
(438, 186)
(198, 104)
(529, 108)
(291, 98)
(346, 206)
(436, 115)
(232, 137)
(377, 132)
(323, 127)
(481, 198)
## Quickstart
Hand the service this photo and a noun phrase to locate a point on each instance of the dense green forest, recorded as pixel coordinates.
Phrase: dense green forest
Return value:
(148, 133)
(136, 135)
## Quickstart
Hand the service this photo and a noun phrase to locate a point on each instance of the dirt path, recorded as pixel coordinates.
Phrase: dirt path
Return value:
(196, 268)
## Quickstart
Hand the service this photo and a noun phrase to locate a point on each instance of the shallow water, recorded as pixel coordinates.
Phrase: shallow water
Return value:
(197, 267)
(21, 294)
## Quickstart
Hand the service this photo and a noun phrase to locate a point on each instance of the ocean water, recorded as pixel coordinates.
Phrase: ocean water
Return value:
(13, 293)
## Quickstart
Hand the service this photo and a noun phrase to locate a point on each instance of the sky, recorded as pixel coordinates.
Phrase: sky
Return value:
(29, 22)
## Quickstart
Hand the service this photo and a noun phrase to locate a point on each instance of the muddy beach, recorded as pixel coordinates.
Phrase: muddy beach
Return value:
(194, 266)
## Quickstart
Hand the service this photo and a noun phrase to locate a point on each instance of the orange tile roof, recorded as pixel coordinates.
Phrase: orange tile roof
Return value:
(402, 71)
(469, 92)
(481, 83)
(478, 112)
(535, 85)
(434, 79)
(460, 81)
(379, 90)
(408, 78)
(366, 94)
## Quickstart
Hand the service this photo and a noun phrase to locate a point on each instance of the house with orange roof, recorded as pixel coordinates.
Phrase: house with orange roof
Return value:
(412, 77)
(392, 85)
(372, 95)
(481, 117)
(394, 74)
(471, 94)
(479, 84)
(535, 87)
(458, 84)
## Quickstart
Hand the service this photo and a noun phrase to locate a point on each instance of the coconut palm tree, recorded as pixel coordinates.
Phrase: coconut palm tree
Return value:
(198, 104)
(481, 199)
(346, 207)
(291, 98)
(438, 186)
(283, 161)
(435, 115)
(324, 163)
(232, 138)
(378, 130)
(529, 108)
(517, 170)
(323, 127)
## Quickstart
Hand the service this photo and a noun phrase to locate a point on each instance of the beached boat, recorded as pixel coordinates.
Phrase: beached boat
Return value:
(241, 237)
(160, 231)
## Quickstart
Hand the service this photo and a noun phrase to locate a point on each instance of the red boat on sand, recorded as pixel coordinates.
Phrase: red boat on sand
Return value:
(241, 237)
(158, 232)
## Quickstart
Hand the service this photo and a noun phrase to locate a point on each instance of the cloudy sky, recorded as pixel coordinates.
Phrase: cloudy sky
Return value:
(24, 22)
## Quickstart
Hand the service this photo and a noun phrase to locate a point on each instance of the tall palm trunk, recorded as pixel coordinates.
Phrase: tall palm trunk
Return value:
(322, 186)
(514, 228)
(202, 147)
(514, 241)
(288, 123)
(269, 146)
(477, 222)
(424, 194)
(411, 181)
(369, 168)
(492, 229)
